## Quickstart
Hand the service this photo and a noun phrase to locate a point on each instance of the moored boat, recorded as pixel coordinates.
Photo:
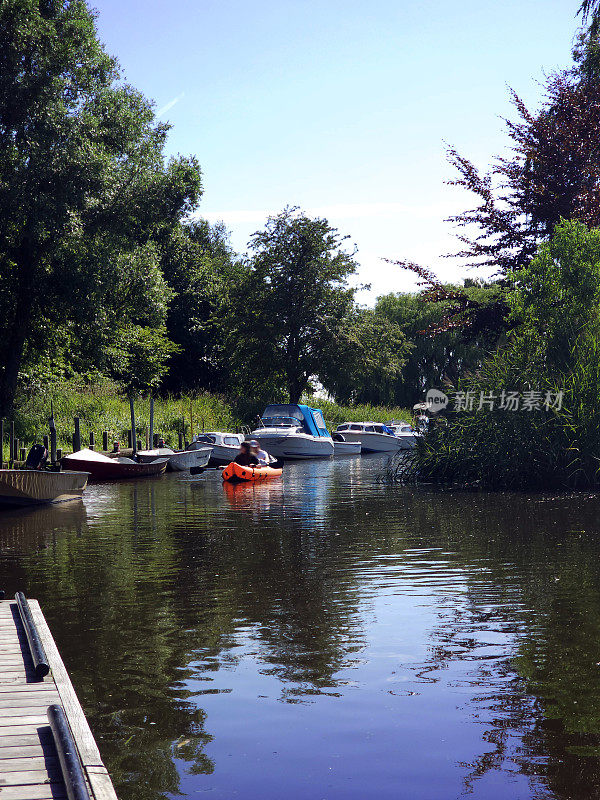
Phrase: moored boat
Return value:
(294, 431)
(372, 436)
(103, 468)
(406, 433)
(234, 473)
(24, 487)
(225, 446)
(178, 460)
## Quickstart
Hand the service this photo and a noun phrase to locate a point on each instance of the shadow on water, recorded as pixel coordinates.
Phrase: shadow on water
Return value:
(325, 635)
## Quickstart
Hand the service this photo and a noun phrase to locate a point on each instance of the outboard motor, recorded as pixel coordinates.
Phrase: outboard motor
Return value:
(37, 457)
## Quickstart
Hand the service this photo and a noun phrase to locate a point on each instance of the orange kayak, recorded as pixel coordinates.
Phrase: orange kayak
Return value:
(234, 472)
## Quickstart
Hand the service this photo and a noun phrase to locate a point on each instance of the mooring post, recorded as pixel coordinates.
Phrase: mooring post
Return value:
(52, 434)
(11, 442)
(147, 437)
(76, 436)
(180, 440)
(151, 433)
(133, 429)
(59, 454)
(105, 440)
(92, 440)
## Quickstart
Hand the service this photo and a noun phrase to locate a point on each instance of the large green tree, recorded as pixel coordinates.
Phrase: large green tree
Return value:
(292, 305)
(84, 186)
(201, 268)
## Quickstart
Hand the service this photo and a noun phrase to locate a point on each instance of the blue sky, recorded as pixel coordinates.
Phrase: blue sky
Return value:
(340, 107)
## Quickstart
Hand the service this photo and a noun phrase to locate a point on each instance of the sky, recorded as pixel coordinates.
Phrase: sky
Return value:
(341, 107)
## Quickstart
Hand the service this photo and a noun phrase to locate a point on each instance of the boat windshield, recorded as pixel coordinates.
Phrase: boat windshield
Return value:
(280, 422)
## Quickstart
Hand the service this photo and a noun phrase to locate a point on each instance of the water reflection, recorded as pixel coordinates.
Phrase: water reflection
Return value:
(325, 635)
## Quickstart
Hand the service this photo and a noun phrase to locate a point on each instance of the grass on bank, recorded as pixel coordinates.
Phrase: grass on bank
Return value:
(101, 408)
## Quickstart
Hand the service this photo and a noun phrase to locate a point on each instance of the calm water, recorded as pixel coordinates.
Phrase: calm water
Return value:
(325, 636)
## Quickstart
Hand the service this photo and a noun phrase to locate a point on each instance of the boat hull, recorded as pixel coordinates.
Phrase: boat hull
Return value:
(374, 442)
(114, 470)
(178, 461)
(346, 448)
(22, 487)
(235, 473)
(294, 446)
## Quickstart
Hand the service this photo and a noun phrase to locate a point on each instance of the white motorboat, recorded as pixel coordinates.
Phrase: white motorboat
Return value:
(179, 460)
(343, 448)
(372, 436)
(294, 431)
(24, 487)
(225, 446)
(406, 433)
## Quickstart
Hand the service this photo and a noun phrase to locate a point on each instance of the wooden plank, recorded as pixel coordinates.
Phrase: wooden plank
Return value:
(100, 783)
(23, 750)
(16, 699)
(33, 719)
(38, 791)
(28, 763)
(40, 738)
(24, 777)
(30, 688)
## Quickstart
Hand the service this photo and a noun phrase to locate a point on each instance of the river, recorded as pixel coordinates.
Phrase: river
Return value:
(325, 636)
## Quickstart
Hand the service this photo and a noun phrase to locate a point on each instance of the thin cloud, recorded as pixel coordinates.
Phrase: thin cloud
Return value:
(170, 105)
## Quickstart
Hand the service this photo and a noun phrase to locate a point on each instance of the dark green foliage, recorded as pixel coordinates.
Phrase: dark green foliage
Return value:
(556, 348)
(84, 190)
(291, 306)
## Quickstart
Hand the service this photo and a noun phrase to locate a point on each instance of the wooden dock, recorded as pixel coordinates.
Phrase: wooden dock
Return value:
(31, 761)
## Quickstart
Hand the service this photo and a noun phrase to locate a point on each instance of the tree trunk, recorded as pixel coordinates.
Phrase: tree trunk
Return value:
(17, 332)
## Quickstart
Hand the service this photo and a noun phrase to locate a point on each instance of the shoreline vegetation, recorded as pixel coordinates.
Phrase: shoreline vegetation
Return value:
(100, 407)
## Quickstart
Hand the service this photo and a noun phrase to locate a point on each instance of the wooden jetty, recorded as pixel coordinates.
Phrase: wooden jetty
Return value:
(47, 750)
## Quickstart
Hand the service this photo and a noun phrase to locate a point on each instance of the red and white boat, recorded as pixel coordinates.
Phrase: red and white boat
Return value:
(103, 468)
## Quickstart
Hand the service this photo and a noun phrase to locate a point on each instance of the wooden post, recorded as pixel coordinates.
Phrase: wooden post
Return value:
(105, 440)
(16, 450)
(76, 436)
(22, 455)
(92, 440)
(46, 441)
(53, 435)
(180, 440)
(59, 454)
(11, 442)
(133, 431)
(151, 433)
(129, 438)
(147, 437)
(155, 440)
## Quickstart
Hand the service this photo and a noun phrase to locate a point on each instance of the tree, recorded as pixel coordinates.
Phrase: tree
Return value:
(437, 355)
(291, 305)
(203, 271)
(365, 365)
(83, 182)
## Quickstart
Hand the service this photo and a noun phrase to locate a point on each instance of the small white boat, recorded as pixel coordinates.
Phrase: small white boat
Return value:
(372, 436)
(343, 448)
(25, 487)
(179, 460)
(407, 434)
(225, 446)
(294, 431)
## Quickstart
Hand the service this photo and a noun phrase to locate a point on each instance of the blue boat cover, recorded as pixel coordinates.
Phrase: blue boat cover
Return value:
(312, 418)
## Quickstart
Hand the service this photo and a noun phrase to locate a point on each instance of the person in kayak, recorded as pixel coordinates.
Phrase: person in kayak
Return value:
(264, 459)
(245, 458)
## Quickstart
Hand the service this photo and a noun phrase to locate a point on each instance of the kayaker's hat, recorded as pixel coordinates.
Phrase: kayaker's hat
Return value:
(253, 443)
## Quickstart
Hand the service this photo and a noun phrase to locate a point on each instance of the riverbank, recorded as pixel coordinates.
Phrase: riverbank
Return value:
(101, 408)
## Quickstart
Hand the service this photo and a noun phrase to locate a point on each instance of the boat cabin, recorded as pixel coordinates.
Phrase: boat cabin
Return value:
(308, 420)
(365, 427)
